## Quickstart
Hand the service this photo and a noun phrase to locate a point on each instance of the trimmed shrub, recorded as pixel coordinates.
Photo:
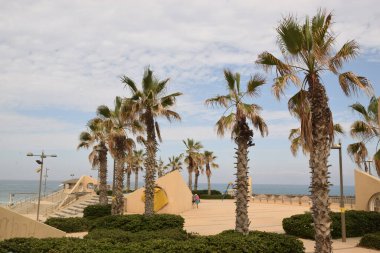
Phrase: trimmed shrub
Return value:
(137, 222)
(371, 241)
(118, 235)
(96, 211)
(255, 242)
(358, 223)
(205, 192)
(69, 225)
(215, 197)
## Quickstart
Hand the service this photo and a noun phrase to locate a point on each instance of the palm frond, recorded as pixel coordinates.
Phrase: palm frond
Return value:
(225, 123)
(376, 161)
(129, 83)
(358, 152)
(148, 80)
(218, 100)
(259, 123)
(348, 51)
(281, 83)
(290, 37)
(338, 129)
(359, 108)
(360, 129)
(157, 127)
(229, 76)
(267, 61)
(351, 83)
(103, 111)
(254, 83)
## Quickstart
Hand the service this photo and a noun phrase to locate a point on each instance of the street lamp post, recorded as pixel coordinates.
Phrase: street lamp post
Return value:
(46, 175)
(342, 209)
(41, 162)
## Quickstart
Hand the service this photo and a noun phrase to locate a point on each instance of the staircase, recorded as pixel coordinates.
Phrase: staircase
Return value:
(76, 208)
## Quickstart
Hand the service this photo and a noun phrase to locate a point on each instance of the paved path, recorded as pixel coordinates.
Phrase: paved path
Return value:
(214, 216)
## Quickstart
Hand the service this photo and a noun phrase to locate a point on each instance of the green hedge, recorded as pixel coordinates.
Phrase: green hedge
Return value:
(96, 211)
(215, 197)
(118, 235)
(255, 242)
(358, 223)
(137, 222)
(371, 241)
(205, 192)
(69, 225)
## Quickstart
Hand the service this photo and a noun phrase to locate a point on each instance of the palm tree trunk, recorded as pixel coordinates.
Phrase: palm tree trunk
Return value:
(196, 176)
(190, 178)
(243, 140)
(150, 164)
(118, 200)
(209, 185)
(321, 121)
(103, 199)
(129, 172)
(114, 175)
(136, 179)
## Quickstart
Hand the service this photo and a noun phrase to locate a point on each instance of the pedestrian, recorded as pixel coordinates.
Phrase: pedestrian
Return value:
(197, 199)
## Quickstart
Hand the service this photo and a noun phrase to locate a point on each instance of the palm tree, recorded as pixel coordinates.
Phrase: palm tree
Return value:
(192, 157)
(150, 103)
(236, 121)
(129, 161)
(138, 165)
(175, 163)
(117, 122)
(96, 137)
(198, 169)
(307, 50)
(366, 130)
(209, 159)
(161, 168)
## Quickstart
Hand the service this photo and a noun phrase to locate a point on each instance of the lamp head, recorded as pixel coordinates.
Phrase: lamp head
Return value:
(29, 154)
(54, 155)
(38, 161)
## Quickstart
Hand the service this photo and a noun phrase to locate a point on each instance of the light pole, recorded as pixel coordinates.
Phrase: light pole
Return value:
(41, 162)
(369, 165)
(342, 209)
(46, 175)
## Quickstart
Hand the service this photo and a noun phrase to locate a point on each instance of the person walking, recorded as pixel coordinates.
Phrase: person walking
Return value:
(197, 199)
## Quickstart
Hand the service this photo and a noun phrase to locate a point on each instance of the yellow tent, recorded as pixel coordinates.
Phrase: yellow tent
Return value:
(160, 198)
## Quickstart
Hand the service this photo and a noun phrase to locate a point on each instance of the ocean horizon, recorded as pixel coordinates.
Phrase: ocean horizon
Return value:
(29, 189)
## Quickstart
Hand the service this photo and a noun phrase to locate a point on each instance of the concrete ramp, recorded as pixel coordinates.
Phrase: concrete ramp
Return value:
(367, 191)
(15, 225)
(178, 194)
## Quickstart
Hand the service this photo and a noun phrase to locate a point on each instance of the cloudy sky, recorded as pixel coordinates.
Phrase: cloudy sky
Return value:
(59, 60)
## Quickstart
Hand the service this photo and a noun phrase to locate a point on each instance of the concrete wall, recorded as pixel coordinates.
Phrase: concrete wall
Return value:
(366, 186)
(178, 193)
(15, 225)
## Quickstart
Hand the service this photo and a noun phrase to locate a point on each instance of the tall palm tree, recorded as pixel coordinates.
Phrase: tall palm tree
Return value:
(209, 160)
(129, 161)
(161, 168)
(96, 137)
(175, 163)
(200, 162)
(150, 103)
(307, 50)
(366, 129)
(117, 122)
(237, 122)
(138, 165)
(192, 157)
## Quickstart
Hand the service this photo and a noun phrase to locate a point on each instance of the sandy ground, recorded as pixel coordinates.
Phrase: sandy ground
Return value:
(214, 216)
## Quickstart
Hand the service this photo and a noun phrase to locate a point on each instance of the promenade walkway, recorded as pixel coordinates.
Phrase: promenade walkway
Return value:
(214, 216)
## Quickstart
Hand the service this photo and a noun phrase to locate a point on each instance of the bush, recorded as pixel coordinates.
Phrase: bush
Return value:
(96, 211)
(69, 225)
(118, 235)
(137, 222)
(109, 192)
(358, 223)
(215, 197)
(255, 242)
(371, 241)
(205, 192)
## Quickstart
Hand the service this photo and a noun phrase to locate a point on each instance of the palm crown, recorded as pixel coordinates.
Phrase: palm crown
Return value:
(366, 130)
(235, 100)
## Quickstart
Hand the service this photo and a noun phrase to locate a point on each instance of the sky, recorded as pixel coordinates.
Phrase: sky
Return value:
(60, 60)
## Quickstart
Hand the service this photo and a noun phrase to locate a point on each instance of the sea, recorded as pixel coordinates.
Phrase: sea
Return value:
(22, 189)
